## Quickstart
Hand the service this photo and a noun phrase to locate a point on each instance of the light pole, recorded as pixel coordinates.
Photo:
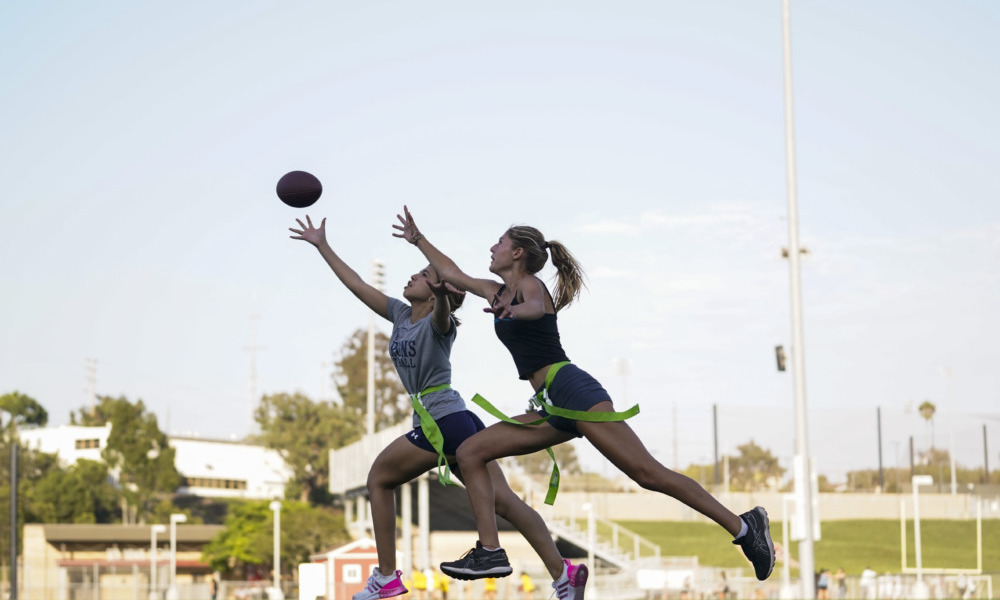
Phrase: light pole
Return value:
(378, 278)
(153, 566)
(803, 478)
(920, 589)
(175, 518)
(951, 431)
(276, 509)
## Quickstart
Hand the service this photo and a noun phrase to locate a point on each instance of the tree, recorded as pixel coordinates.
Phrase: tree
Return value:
(82, 493)
(248, 539)
(753, 467)
(303, 432)
(137, 450)
(24, 410)
(392, 404)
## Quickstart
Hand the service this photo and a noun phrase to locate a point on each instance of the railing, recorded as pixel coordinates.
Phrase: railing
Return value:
(349, 465)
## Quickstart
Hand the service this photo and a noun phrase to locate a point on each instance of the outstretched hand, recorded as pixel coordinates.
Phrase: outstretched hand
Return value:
(313, 235)
(500, 309)
(408, 230)
(443, 288)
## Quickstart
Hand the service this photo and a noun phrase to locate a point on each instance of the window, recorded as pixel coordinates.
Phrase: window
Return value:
(88, 444)
(352, 573)
(214, 483)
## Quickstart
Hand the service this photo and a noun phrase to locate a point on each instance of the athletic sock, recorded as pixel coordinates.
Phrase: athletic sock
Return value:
(743, 529)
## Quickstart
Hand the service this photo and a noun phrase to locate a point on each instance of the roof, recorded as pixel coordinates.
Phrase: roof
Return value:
(125, 533)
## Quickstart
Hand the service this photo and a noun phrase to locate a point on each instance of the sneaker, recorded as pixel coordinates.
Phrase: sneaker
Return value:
(376, 589)
(756, 543)
(570, 584)
(478, 563)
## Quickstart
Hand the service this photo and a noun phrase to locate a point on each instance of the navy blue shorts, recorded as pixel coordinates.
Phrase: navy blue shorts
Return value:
(574, 389)
(455, 428)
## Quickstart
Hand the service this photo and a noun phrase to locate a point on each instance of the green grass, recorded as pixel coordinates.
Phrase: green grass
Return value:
(852, 545)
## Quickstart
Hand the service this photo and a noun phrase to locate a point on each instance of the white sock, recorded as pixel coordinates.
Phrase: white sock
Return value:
(383, 578)
(492, 549)
(564, 574)
(743, 529)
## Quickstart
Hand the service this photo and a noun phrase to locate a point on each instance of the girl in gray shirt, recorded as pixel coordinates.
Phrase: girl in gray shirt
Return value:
(423, 332)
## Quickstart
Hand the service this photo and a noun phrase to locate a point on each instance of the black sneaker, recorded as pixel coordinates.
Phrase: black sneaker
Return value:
(478, 563)
(756, 544)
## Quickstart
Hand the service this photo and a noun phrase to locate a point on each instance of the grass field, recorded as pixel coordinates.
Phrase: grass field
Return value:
(851, 545)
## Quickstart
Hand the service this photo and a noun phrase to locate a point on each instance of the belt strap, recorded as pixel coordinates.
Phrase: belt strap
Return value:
(432, 432)
(541, 399)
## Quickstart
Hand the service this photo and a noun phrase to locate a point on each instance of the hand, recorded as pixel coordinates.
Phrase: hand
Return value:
(443, 288)
(408, 229)
(313, 235)
(500, 309)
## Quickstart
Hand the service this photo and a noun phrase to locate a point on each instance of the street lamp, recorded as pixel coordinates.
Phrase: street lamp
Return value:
(175, 518)
(153, 566)
(920, 589)
(276, 509)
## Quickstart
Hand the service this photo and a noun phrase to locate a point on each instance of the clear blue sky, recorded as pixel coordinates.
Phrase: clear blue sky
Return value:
(139, 225)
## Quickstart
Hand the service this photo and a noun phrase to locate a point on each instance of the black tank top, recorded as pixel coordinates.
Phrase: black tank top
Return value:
(532, 344)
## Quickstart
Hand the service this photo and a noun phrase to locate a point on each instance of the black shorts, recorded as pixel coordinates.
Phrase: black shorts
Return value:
(455, 428)
(573, 389)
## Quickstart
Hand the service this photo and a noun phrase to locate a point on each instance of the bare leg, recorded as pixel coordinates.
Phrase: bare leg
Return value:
(527, 520)
(399, 463)
(497, 441)
(616, 441)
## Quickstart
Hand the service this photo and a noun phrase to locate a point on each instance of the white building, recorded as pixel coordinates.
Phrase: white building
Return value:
(210, 468)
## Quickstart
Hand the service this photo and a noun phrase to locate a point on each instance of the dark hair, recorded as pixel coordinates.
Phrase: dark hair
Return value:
(569, 274)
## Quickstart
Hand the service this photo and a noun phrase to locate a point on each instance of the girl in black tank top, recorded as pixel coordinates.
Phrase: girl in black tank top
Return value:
(532, 338)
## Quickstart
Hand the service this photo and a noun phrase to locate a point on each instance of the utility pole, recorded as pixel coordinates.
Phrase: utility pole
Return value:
(91, 366)
(803, 475)
(252, 349)
(378, 282)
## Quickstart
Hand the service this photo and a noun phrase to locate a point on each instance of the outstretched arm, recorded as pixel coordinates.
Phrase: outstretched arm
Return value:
(441, 317)
(372, 297)
(445, 267)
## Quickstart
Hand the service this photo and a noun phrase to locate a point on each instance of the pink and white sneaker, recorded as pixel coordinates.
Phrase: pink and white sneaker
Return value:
(570, 584)
(382, 586)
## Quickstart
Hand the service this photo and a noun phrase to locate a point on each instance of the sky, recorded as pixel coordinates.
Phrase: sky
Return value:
(139, 227)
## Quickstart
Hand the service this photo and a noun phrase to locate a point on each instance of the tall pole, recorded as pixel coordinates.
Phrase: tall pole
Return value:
(153, 564)
(986, 458)
(175, 518)
(806, 562)
(951, 432)
(276, 508)
(715, 438)
(881, 473)
(378, 275)
(14, 448)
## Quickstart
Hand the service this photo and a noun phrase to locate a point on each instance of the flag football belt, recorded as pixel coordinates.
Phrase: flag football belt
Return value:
(541, 400)
(432, 432)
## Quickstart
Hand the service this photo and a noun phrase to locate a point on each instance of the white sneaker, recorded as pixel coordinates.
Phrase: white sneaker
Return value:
(379, 586)
(570, 584)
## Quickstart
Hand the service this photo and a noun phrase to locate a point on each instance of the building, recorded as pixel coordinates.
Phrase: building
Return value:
(210, 468)
(111, 562)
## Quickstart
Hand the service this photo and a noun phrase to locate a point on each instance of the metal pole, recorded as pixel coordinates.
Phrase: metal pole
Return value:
(881, 476)
(986, 458)
(951, 432)
(806, 562)
(14, 448)
(276, 508)
(715, 438)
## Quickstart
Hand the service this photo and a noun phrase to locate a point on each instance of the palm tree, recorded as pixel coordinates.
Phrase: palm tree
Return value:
(927, 410)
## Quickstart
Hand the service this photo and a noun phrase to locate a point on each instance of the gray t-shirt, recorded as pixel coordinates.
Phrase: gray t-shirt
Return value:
(422, 359)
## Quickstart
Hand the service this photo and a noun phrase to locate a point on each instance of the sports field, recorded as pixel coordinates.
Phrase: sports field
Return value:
(851, 545)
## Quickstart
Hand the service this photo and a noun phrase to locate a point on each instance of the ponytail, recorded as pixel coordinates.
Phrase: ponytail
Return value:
(569, 274)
